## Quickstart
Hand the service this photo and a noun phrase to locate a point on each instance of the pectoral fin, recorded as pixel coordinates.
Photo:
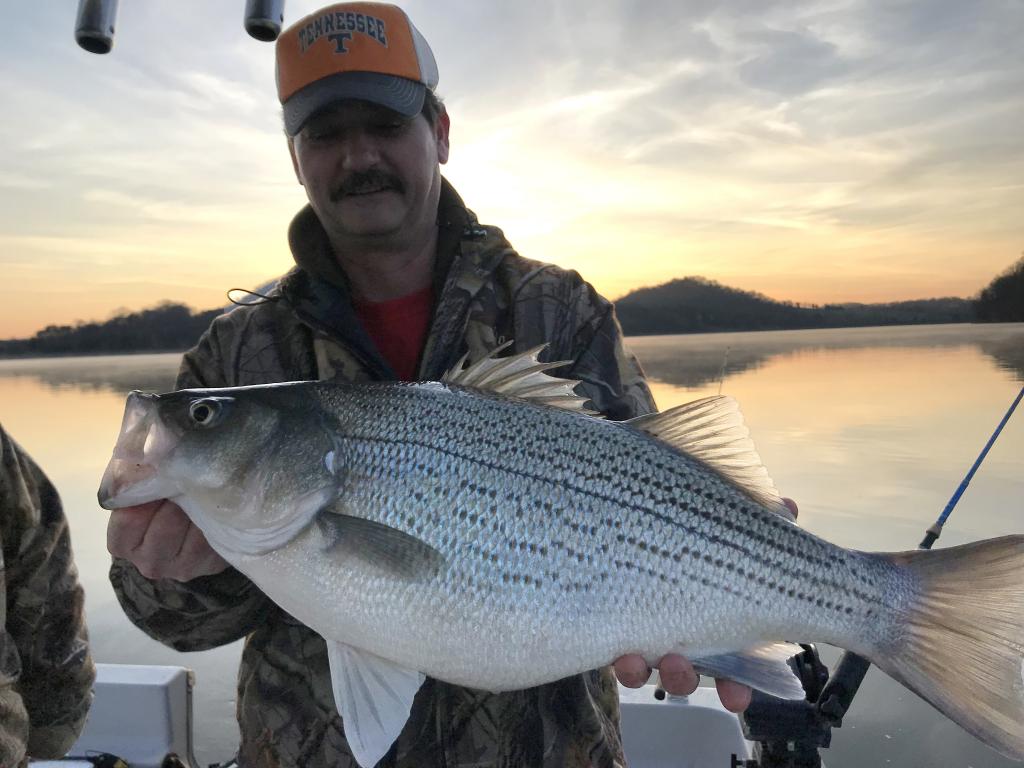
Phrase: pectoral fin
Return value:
(765, 667)
(373, 696)
(381, 545)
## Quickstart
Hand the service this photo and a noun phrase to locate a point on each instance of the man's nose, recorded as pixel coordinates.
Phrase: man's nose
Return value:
(359, 151)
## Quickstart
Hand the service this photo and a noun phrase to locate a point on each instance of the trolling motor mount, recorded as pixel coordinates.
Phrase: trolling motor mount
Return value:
(790, 733)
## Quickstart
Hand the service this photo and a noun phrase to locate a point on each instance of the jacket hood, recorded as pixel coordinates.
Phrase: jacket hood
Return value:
(318, 289)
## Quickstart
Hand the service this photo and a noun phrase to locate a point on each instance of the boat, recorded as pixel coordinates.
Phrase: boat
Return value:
(142, 714)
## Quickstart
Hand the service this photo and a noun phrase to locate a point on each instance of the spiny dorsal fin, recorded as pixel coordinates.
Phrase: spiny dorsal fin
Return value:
(712, 430)
(521, 375)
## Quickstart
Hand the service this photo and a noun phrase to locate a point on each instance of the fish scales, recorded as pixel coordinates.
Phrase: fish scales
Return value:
(533, 515)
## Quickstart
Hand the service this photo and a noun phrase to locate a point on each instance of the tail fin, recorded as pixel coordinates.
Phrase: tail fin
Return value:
(962, 646)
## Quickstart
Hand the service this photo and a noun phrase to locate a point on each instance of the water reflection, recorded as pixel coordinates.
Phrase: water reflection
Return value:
(684, 361)
(870, 430)
(1008, 352)
(695, 360)
(110, 373)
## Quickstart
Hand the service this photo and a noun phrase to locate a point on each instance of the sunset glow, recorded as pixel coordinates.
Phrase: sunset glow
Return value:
(814, 151)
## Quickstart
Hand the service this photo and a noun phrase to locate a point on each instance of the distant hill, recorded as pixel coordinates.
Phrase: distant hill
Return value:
(697, 305)
(688, 305)
(168, 327)
(1002, 300)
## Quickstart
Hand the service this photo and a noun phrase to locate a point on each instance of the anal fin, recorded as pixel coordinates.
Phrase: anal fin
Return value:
(764, 667)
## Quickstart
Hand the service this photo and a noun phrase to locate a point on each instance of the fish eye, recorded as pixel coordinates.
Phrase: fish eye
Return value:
(205, 412)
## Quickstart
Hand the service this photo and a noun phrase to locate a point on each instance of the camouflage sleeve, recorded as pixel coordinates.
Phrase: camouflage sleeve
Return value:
(46, 671)
(608, 372)
(208, 611)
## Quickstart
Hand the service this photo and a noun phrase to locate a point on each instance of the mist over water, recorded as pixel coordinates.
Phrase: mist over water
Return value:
(870, 430)
(106, 373)
(695, 360)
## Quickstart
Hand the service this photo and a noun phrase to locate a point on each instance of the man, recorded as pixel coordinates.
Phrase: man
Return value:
(395, 278)
(46, 672)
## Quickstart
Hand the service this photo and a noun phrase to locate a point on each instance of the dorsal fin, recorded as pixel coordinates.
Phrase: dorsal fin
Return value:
(520, 375)
(712, 430)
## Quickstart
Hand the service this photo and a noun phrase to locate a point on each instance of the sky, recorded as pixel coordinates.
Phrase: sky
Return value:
(846, 150)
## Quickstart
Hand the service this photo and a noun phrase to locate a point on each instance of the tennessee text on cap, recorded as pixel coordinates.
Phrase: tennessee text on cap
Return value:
(368, 51)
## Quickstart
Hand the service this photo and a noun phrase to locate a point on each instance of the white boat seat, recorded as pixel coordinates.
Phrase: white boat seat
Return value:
(140, 713)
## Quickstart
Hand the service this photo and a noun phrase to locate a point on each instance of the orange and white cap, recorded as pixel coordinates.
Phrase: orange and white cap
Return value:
(368, 51)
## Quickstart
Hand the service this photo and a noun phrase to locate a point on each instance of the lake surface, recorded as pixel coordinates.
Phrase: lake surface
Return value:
(870, 430)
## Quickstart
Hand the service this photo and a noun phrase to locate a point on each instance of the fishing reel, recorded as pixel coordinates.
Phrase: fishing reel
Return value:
(94, 27)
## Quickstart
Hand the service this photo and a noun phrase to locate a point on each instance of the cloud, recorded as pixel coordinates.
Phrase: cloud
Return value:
(726, 136)
(792, 62)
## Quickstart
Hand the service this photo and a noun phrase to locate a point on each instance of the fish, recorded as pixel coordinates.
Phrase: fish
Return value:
(489, 531)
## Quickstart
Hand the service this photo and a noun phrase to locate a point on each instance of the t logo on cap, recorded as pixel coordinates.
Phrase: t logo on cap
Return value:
(339, 27)
(386, 61)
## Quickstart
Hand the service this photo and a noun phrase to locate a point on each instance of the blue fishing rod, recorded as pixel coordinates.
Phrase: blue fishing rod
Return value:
(791, 732)
(935, 531)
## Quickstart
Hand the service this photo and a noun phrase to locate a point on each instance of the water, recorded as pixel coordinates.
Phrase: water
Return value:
(869, 430)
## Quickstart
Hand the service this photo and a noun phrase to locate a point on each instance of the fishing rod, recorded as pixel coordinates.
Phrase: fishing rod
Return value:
(791, 732)
(935, 531)
(850, 670)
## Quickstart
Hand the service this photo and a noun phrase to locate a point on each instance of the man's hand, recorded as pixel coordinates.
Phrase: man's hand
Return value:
(792, 507)
(677, 674)
(678, 677)
(160, 540)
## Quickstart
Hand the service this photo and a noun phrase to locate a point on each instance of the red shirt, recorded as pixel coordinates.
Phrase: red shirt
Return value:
(398, 328)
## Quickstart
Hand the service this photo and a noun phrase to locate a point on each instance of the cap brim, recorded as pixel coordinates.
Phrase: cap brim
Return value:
(398, 93)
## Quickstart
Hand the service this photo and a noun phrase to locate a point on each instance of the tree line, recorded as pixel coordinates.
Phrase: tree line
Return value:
(168, 327)
(687, 305)
(696, 305)
(699, 305)
(1002, 300)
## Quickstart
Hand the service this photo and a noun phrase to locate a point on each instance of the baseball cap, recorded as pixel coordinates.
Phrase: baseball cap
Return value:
(368, 51)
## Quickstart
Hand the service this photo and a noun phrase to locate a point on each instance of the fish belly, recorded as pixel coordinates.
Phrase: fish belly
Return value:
(521, 622)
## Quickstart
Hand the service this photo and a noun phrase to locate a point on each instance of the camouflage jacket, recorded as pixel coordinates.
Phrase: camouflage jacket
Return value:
(486, 294)
(46, 672)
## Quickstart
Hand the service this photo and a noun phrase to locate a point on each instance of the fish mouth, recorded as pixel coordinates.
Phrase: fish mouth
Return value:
(131, 476)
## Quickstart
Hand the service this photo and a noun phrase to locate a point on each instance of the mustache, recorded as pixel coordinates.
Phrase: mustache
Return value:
(363, 181)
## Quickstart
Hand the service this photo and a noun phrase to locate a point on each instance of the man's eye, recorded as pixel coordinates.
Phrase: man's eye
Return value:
(390, 128)
(322, 133)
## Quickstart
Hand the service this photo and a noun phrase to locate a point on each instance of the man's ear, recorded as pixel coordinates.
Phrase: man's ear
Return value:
(295, 160)
(441, 128)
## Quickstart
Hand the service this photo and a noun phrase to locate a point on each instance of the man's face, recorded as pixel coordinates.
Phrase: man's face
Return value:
(371, 175)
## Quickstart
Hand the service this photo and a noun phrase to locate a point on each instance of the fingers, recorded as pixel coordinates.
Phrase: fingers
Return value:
(126, 527)
(792, 507)
(199, 557)
(160, 540)
(155, 555)
(679, 678)
(631, 670)
(735, 696)
(677, 675)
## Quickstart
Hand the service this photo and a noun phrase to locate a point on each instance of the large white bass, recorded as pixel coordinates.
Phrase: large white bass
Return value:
(486, 532)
